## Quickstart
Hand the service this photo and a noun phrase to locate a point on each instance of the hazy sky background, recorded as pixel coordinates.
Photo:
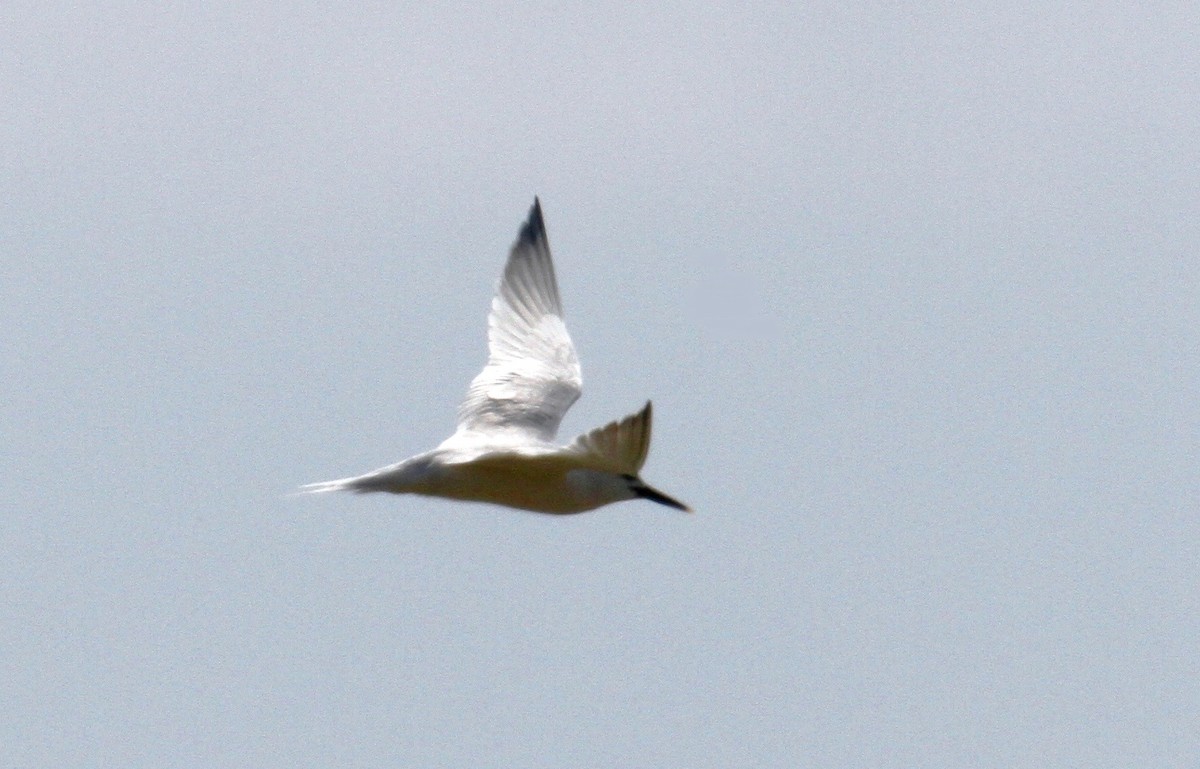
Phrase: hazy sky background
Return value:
(913, 288)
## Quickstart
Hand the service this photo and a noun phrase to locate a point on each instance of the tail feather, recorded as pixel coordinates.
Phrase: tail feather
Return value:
(619, 446)
(344, 484)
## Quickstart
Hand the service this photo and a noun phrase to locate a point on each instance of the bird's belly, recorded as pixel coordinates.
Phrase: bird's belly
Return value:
(525, 484)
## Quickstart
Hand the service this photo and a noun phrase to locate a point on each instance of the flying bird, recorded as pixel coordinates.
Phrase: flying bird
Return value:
(503, 451)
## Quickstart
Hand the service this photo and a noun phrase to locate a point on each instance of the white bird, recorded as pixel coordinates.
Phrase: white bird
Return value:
(503, 451)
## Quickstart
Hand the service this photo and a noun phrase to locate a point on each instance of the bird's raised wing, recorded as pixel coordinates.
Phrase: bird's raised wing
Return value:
(532, 373)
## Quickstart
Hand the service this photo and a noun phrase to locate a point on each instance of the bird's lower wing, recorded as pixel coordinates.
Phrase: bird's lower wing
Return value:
(620, 446)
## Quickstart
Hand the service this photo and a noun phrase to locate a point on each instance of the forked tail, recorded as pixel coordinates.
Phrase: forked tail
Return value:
(344, 484)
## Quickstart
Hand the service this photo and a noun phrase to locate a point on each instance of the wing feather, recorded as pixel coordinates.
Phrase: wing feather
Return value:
(620, 446)
(532, 374)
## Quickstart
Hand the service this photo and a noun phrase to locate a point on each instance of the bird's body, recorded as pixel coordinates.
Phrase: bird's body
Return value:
(545, 481)
(503, 451)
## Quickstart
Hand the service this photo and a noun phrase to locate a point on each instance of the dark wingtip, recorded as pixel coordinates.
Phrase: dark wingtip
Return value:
(534, 229)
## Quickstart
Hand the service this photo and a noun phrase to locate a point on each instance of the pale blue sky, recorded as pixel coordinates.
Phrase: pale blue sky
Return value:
(913, 288)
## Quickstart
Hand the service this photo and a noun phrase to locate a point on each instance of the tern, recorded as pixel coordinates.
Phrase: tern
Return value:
(503, 451)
